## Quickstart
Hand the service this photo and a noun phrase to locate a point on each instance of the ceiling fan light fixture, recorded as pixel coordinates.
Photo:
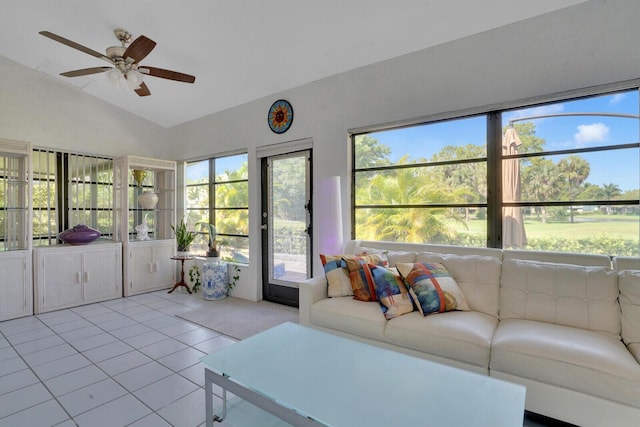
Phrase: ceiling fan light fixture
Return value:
(114, 76)
(134, 79)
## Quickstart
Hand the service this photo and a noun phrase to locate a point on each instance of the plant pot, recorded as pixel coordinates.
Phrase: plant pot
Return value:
(148, 199)
(214, 280)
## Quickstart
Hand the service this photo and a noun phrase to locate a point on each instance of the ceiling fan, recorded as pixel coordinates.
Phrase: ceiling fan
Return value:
(125, 60)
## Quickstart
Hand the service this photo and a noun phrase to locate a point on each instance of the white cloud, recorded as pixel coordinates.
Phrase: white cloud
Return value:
(542, 110)
(596, 132)
(617, 98)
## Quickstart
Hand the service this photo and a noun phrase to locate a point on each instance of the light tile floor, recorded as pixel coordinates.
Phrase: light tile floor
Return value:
(124, 362)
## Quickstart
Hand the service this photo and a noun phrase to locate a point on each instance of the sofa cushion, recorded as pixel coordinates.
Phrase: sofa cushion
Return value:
(432, 288)
(391, 291)
(570, 295)
(338, 283)
(478, 276)
(590, 362)
(362, 284)
(364, 319)
(463, 336)
(335, 270)
(629, 284)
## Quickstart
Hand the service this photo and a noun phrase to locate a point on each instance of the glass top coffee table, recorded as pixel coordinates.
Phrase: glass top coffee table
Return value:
(308, 377)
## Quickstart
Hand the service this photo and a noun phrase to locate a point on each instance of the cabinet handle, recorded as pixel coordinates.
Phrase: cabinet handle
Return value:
(155, 266)
(86, 276)
(77, 277)
(150, 267)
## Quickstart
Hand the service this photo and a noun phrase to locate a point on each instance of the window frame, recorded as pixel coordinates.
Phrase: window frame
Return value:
(494, 160)
(211, 188)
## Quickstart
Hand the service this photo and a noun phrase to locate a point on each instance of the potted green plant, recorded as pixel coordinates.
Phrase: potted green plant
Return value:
(213, 251)
(184, 237)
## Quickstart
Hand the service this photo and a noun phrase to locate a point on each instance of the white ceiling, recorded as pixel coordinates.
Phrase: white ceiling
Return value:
(240, 50)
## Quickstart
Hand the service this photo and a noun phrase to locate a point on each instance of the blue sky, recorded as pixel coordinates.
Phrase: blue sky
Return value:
(559, 133)
(200, 170)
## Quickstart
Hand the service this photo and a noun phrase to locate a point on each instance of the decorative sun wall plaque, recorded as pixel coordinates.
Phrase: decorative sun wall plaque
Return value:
(280, 116)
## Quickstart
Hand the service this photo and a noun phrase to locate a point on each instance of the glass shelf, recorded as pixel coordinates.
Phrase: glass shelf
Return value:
(136, 175)
(15, 195)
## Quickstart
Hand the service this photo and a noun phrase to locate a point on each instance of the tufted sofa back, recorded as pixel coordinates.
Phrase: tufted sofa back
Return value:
(478, 276)
(573, 295)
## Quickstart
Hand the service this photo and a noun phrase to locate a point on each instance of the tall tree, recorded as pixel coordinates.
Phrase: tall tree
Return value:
(370, 152)
(575, 170)
(540, 182)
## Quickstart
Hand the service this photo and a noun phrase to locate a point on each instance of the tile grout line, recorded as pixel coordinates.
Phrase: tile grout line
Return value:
(41, 381)
(69, 342)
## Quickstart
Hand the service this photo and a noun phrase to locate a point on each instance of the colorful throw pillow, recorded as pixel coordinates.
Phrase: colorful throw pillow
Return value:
(361, 280)
(338, 283)
(432, 287)
(391, 291)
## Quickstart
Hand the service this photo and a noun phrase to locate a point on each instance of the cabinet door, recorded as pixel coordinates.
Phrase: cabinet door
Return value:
(101, 274)
(165, 267)
(149, 266)
(15, 286)
(140, 268)
(60, 279)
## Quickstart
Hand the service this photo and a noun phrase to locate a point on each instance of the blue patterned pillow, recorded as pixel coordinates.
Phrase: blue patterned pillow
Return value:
(391, 291)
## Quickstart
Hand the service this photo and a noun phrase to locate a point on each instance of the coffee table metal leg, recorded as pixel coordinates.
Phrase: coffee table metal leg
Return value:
(217, 417)
(208, 391)
(284, 413)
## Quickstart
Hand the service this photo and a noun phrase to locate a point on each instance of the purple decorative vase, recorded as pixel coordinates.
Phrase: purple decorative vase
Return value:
(79, 235)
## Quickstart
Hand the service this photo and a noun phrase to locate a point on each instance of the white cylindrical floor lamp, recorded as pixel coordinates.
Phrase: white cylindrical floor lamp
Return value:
(328, 216)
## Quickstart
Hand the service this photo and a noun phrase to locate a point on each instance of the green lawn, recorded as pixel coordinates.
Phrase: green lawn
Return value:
(585, 226)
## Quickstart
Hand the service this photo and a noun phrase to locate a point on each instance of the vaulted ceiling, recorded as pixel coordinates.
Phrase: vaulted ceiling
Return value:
(240, 50)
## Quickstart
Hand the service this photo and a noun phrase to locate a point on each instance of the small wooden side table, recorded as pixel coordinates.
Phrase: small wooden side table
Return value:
(182, 259)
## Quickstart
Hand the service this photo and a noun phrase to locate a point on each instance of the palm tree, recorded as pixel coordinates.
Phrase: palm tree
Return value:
(576, 170)
(406, 186)
(611, 191)
(540, 182)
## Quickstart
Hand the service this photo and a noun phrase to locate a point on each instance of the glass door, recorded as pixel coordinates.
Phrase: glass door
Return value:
(286, 229)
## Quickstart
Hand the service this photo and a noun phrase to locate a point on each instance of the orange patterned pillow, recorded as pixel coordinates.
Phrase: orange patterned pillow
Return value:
(362, 283)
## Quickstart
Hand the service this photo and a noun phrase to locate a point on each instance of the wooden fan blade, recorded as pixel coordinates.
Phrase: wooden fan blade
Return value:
(144, 90)
(139, 49)
(85, 71)
(167, 74)
(74, 45)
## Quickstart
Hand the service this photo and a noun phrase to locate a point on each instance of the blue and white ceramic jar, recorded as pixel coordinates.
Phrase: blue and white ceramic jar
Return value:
(214, 280)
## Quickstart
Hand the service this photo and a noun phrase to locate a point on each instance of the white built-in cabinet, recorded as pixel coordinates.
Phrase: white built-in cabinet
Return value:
(68, 276)
(16, 290)
(147, 264)
(150, 266)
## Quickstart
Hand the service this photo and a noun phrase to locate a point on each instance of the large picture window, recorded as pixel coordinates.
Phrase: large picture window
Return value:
(218, 194)
(563, 176)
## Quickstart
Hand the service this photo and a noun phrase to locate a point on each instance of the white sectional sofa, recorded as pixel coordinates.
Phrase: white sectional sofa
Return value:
(567, 326)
